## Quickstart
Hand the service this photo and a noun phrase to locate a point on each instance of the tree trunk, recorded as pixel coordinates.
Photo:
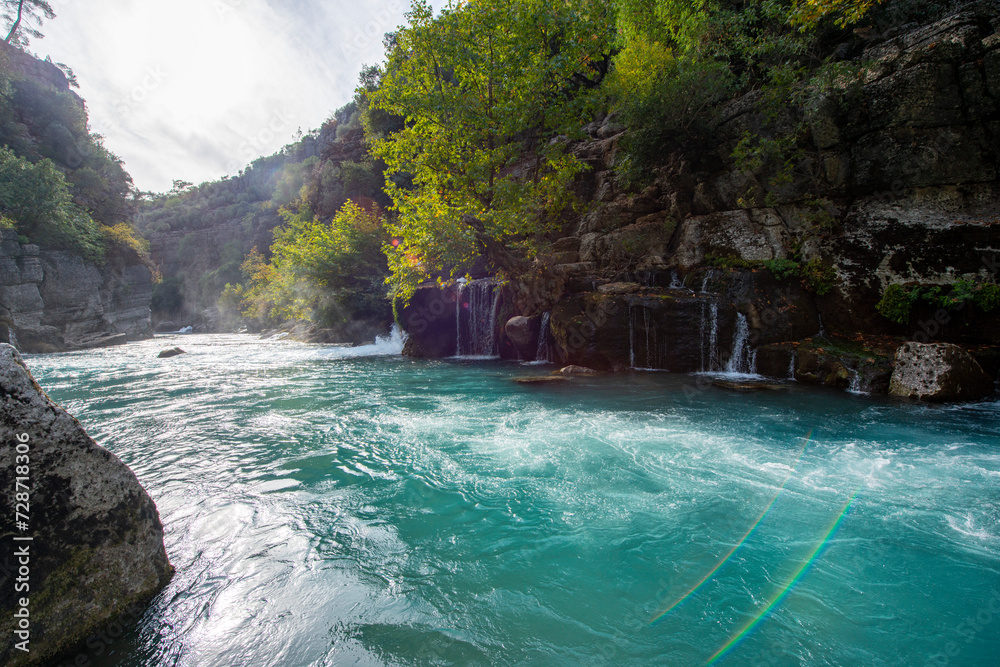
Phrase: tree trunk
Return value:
(17, 23)
(496, 254)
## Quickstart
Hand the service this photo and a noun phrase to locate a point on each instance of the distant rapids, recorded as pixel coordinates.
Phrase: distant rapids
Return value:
(349, 506)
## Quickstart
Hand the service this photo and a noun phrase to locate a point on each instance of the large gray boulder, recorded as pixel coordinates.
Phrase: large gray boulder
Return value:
(97, 542)
(938, 372)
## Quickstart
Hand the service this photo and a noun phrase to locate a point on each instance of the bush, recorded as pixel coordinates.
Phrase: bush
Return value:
(662, 98)
(897, 301)
(36, 198)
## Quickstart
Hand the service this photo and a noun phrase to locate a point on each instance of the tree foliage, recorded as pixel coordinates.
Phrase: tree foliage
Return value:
(484, 88)
(23, 18)
(327, 272)
(64, 189)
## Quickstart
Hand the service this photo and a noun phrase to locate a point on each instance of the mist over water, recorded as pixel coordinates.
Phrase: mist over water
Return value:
(348, 506)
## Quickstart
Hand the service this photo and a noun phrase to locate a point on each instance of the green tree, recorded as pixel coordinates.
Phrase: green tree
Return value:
(24, 18)
(38, 200)
(324, 272)
(484, 88)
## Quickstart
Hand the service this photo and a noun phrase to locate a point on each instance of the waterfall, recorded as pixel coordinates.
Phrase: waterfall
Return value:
(476, 319)
(675, 281)
(791, 364)
(631, 337)
(654, 355)
(709, 333)
(542, 351)
(742, 359)
(713, 337)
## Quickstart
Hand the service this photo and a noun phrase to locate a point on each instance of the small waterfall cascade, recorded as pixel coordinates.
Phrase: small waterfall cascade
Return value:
(675, 281)
(476, 311)
(855, 384)
(742, 359)
(791, 364)
(642, 330)
(709, 337)
(542, 352)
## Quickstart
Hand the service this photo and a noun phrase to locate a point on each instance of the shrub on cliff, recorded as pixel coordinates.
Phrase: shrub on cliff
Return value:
(37, 199)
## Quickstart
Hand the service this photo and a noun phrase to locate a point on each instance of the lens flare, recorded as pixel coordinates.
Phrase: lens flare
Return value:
(783, 593)
(740, 542)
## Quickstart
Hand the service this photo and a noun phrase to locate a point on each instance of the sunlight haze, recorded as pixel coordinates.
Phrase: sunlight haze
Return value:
(195, 90)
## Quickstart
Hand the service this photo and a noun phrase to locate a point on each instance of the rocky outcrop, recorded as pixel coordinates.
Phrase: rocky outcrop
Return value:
(938, 372)
(897, 183)
(53, 301)
(717, 267)
(97, 541)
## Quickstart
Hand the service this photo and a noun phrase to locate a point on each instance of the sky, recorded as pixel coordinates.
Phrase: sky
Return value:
(196, 89)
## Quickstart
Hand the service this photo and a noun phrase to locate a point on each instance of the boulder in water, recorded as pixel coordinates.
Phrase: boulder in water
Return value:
(171, 352)
(576, 370)
(523, 333)
(542, 379)
(938, 372)
(96, 549)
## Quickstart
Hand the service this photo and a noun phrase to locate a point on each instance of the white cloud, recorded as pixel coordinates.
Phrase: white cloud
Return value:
(196, 89)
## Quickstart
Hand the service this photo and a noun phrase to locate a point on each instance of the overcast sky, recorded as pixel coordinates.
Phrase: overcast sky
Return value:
(196, 89)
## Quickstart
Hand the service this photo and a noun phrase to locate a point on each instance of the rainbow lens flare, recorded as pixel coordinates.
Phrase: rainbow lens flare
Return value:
(725, 558)
(787, 588)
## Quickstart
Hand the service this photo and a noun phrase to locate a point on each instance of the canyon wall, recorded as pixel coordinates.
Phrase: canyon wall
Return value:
(53, 301)
(895, 182)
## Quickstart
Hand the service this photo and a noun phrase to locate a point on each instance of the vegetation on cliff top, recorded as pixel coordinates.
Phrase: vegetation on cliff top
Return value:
(59, 186)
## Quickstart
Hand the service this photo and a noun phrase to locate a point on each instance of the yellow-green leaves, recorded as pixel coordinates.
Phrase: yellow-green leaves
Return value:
(483, 87)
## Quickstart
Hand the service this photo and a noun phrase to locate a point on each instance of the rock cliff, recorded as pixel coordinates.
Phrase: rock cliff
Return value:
(96, 548)
(895, 182)
(52, 301)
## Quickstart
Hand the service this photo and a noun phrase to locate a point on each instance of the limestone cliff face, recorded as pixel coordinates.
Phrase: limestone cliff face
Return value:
(52, 301)
(897, 181)
(97, 542)
(906, 167)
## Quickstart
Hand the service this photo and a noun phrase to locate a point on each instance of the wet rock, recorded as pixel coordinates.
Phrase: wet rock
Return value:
(523, 332)
(430, 321)
(673, 330)
(166, 326)
(576, 370)
(749, 386)
(97, 550)
(938, 372)
(97, 341)
(171, 352)
(542, 379)
(619, 288)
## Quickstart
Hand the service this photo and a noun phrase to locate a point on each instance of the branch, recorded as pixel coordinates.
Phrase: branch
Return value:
(495, 252)
(17, 23)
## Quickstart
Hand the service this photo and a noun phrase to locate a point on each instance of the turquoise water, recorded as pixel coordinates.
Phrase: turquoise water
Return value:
(323, 510)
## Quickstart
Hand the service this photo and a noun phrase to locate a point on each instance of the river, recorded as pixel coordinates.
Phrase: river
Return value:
(349, 506)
